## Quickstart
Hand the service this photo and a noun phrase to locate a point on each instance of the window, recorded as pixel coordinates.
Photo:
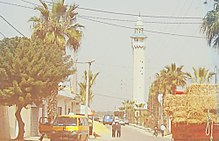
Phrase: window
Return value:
(60, 121)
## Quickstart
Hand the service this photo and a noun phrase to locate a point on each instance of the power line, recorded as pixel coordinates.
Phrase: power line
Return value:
(11, 25)
(136, 15)
(150, 31)
(18, 5)
(109, 96)
(125, 20)
(30, 3)
(109, 12)
(2, 34)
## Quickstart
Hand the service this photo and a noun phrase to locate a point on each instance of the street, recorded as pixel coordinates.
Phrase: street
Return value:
(130, 133)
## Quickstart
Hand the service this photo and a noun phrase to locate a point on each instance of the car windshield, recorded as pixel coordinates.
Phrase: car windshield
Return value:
(108, 117)
(65, 121)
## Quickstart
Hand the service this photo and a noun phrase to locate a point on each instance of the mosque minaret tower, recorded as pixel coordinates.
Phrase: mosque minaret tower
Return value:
(138, 52)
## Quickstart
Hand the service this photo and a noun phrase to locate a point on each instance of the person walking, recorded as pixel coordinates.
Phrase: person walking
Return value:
(162, 128)
(113, 129)
(118, 129)
(155, 131)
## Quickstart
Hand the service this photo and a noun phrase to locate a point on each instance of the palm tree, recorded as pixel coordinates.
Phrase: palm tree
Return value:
(201, 75)
(210, 26)
(139, 107)
(170, 77)
(82, 85)
(128, 106)
(165, 82)
(57, 26)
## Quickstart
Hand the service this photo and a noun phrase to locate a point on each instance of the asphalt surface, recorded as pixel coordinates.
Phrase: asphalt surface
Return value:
(130, 133)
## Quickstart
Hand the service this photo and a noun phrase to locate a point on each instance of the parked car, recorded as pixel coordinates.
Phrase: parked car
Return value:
(96, 118)
(101, 119)
(122, 122)
(126, 121)
(108, 119)
(66, 127)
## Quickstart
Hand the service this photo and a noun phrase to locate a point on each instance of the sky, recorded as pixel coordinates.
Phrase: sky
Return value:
(106, 39)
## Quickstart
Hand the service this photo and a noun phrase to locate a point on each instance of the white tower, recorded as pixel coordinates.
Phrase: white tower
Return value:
(138, 52)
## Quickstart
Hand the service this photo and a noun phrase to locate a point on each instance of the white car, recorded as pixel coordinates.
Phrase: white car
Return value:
(127, 121)
(122, 122)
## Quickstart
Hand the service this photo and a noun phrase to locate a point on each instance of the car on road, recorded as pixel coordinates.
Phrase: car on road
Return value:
(66, 128)
(122, 122)
(108, 119)
(126, 121)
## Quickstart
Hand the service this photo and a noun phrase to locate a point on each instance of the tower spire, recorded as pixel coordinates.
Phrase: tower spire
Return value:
(138, 48)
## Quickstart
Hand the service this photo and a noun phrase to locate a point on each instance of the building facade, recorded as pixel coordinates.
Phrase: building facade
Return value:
(138, 52)
(66, 103)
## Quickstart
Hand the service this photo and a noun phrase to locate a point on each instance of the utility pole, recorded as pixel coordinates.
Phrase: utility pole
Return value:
(87, 86)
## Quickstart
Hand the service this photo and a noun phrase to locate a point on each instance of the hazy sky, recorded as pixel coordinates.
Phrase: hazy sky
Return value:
(110, 46)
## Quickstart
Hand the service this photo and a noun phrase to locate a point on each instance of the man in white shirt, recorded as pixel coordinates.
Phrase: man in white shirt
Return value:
(162, 128)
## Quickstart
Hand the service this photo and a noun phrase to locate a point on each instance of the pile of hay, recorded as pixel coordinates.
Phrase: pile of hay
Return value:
(202, 89)
(193, 106)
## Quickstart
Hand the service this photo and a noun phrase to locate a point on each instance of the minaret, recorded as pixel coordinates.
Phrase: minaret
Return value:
(138, 52)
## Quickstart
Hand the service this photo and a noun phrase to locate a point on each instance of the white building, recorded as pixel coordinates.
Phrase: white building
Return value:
(66, 103)
(138, 52)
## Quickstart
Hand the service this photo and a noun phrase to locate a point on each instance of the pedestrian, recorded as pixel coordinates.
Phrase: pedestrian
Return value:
(162, 128)
(155, 131)
(118, 129)
(113, 129)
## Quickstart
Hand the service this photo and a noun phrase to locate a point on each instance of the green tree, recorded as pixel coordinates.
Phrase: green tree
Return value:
(82, 85)
(129, 107)
(128, 104)
(58, 25)
(29, 71)
(165, 82)
(170, 77)
(210, 26)
(201, 75)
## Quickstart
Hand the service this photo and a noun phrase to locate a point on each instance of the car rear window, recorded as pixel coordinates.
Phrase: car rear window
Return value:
(65, 121)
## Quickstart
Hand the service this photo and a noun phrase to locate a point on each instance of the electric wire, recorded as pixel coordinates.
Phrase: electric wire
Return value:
(150, 31)
(125, 20)
(18, 5)
(30, 2)
(137, 15)
(2, 34)
(12, 26)
(110, 12)
(109, 96)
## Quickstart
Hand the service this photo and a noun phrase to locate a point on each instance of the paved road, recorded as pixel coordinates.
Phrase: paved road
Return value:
(130, 133)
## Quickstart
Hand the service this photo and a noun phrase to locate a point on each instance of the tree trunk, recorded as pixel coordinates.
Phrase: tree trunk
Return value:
(52, 105)
(21, 124)
(74, 80)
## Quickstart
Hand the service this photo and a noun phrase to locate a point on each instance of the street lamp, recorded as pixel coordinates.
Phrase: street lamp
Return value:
(87, 85)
